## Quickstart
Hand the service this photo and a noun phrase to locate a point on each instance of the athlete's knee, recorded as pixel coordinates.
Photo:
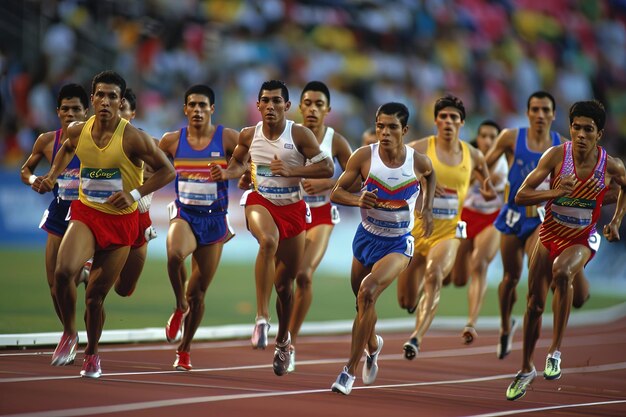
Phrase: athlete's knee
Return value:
(196, 300)
(365, 296)
(284, 288)
(93, 301)
(535, 306)
(268, 244)
(304, 279)
(175, 258)
(510, 280)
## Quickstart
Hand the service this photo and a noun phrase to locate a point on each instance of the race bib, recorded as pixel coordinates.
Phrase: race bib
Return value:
(512, 217)
(334, 214)
(172, 210)
(461, 230)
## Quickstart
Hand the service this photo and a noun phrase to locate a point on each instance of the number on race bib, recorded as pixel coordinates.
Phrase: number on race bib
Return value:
(512, 217)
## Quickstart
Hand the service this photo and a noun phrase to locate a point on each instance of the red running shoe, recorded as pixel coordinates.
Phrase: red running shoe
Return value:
(183, 361)
(65, 351)
(174, 327)
(91, 367)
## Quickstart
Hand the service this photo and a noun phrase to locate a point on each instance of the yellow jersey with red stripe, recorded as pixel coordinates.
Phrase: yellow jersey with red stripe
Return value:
(105, 171)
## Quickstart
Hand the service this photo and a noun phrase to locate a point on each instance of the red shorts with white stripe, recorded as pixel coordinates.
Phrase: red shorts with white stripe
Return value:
(326, 214)
(477, 221)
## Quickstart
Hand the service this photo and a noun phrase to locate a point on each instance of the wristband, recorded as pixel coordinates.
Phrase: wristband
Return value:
(135, 194)
(31, 179)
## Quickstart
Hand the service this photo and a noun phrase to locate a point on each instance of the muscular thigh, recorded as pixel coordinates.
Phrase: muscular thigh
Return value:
(180, 238)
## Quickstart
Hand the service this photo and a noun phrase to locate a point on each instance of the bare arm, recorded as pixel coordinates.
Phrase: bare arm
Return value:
(341, 150)
(423, 166)
(355, 170)
(141, 146)
(307, 144)
(42, 148)
(528, 194)
(505, 145)
(481, 171)
(44, 184)
(238, 162)
(615, 168)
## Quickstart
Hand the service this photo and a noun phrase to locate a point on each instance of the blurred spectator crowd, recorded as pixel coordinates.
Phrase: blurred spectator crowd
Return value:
(491, 53)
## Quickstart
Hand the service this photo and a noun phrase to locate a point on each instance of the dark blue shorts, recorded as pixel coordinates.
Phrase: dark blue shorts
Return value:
(518, 221)
(207, 226)
(56, 217)
(369, 248)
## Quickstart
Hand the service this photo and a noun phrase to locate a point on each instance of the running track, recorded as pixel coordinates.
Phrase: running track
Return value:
(230, 379)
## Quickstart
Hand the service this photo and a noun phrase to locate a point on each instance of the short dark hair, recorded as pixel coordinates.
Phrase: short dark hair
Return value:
(398, 110)
(109, 77)
(274, 85)
(490, 123)
(131, 98)
(541, 94)
(316, 86)
(202, 89)
(73, 90)
(450, 101)
(592, 109)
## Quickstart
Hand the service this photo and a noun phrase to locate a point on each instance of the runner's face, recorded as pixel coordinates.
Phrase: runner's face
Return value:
(272, 106)
(106, 101)
(198, 110)
(449, 122)
(584, 133)
(71, 110)
(389, 130)
(314, 108)
(540, 113)
(486, 136)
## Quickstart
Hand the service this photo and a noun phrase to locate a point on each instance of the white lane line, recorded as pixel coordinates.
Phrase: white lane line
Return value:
(146, 405)
(554, 407)
(87, 411)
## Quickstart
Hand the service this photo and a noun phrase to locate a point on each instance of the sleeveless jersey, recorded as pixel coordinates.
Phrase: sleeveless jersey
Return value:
(575, 216)
(524, 161)
(105, 171)
(474, 199)
(317, 200)
(194, 186)
(67, 183)
(454, 179)
(279, 190)
(398, 189)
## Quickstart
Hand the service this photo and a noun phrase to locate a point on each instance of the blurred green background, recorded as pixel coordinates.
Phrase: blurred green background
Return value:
(25, 304)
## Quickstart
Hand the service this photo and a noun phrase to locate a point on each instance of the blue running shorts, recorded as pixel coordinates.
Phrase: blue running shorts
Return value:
(56, 217)
(369, 248)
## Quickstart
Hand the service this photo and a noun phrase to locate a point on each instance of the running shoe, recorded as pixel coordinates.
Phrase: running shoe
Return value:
(91, 367)
(259, 334)
(65, 352)
(370, 369)
(517, 389)
(553, 366)
(411, 348)
(468, 335)
(506, 341)
(292, 360)
(344, 382)
(174, 327)
(282, 357)
(183, 361)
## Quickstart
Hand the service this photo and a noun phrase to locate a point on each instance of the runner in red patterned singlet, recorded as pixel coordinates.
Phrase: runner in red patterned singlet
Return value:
(581, 172)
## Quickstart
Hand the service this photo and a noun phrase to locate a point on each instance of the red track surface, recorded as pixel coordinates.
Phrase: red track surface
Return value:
(231, 379)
